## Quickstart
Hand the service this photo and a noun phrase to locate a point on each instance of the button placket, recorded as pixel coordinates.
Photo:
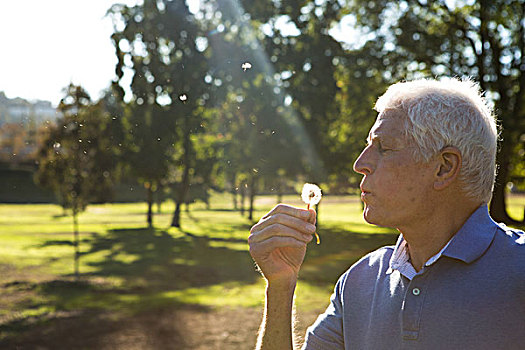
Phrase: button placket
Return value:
(412, 307)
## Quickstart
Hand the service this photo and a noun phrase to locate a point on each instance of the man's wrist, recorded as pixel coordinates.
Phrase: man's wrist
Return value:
(283, 284)
(276, 331)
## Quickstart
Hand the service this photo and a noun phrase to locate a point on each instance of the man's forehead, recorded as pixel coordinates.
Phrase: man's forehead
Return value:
(387, 124)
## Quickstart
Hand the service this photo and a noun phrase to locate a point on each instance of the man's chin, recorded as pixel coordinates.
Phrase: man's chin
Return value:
(368, 215)
(372, 218)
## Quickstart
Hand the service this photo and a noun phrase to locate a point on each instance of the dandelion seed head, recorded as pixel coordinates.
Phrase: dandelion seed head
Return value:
(311, 194)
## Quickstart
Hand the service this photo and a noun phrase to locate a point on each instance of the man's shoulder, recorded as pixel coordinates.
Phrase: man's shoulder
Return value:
(510, 242)
(504, 257)
(379, 255)
(372, 263)
(517, 237)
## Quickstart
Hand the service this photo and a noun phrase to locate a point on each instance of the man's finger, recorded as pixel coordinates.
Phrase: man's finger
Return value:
(286, 220)
(279, 230)
(276, 242)
(299, 213)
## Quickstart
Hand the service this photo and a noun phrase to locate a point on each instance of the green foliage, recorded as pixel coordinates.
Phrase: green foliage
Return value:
(78, 160)
(318, 90)
(164, 47)
(304, 92)
(480, 39)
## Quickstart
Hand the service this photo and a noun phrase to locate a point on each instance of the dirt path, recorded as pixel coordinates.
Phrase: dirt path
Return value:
(188, 327)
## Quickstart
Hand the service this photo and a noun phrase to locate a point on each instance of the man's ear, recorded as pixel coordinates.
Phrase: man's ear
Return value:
(449, 165)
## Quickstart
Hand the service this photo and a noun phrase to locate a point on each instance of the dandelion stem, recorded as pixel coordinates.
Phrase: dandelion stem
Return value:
(317, 238)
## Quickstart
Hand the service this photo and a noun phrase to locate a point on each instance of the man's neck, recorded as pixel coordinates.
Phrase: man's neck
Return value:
(426, 240)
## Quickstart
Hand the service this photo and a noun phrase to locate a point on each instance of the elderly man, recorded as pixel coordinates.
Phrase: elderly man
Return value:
(454, 280)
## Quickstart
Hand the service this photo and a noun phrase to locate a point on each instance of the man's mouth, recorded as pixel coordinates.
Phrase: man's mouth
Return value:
(364, 194)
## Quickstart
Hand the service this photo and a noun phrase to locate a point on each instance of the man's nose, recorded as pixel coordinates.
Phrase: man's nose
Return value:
(363, 163)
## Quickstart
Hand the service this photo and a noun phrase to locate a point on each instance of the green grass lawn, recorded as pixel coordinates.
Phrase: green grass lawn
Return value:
(127, 268)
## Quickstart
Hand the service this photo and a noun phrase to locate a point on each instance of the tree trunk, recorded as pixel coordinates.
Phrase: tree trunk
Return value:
(175, 222)
(234, 190)
(243, 196)
(150, 204)
(76, 257)
(183, 190)
(498, 207)
(158, 197)
(252, 197)
(185, 183)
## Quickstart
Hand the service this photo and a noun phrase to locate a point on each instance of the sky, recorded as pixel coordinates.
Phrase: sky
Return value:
(47, 44)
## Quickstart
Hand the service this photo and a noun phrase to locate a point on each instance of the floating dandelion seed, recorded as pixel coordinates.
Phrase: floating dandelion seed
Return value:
(311, 195)
(183, 97)
(246, 65)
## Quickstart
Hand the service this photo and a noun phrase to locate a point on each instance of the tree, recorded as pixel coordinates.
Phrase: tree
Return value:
(147, 150)
(162, 43)
(482, 39)
(324, 95)
(306, 59)
(265, 140)
(77, 160)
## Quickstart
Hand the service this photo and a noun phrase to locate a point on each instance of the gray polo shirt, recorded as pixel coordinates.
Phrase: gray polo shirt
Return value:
(471, 297)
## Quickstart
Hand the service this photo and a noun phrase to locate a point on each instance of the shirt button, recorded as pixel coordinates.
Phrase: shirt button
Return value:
(416, 291)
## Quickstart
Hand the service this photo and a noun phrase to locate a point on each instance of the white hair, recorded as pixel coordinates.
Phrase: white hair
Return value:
(449, 112)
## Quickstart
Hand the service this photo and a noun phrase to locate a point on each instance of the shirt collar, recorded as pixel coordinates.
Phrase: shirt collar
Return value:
(468, 244)
(474, 237)
(400, 255)
(400, 259)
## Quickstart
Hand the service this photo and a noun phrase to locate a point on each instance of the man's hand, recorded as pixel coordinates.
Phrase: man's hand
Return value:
(278, 241)
(278, 245)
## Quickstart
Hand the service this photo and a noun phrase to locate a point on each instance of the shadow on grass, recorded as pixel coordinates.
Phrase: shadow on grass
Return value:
(148, 266)
(98, 329)
(135, 275)
(157, 260)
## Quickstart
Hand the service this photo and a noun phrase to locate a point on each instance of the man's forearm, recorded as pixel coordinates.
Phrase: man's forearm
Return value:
(276, 328)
